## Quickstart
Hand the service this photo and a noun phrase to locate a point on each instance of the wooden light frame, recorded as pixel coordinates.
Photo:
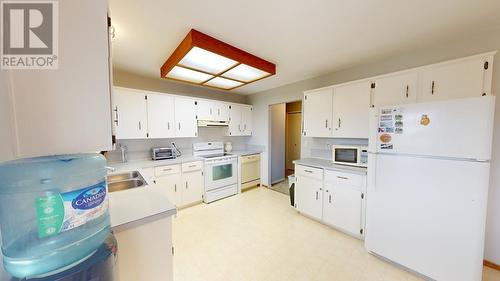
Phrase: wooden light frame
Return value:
(197, 39)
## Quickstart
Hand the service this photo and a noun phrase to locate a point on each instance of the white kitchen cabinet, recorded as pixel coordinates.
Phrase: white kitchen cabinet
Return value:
(318, 107)
(240, 120)
(186, 125)
(395, 89)
(351, 106)
(65, 110)
(212, 110)
(456, 79)
(170, 185)
(246, 120)
(193, 187)
(130, 114)
(309, 191)
(161, 116)
(342, 207)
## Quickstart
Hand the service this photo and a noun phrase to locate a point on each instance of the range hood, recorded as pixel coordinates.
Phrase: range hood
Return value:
(209, 123)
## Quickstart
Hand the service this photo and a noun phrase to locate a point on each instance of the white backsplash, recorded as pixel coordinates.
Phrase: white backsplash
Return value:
(141, 148)
(322, 147)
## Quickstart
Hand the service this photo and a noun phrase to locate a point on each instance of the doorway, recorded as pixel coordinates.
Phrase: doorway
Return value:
(285, 142)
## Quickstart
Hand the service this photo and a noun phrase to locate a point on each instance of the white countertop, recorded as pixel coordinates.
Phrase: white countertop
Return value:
(245, 152)
(329, 165)
(149, 163)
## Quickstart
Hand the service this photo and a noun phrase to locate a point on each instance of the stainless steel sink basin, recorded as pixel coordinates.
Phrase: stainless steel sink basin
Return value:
(123, 176)
(125, 184)
(124, 181)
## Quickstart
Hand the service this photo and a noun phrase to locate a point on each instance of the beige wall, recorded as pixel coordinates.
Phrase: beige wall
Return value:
(481, 41)
(126, 79)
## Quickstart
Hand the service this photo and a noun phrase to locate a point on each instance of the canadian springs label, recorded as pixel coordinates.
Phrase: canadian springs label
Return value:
(61, 212)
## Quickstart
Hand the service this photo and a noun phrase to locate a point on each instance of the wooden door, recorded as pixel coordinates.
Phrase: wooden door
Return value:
(293, 138)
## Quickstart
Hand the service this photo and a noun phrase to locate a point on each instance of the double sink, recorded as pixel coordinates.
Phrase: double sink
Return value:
(124, 181)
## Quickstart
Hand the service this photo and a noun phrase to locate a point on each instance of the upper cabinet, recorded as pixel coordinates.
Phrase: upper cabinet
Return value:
(240, 120)
(185, 118)
(141, 114)
(351, 105)
(318, 107)
(130, 114)
(395, 89)
(457, 79)
(212, 110)
(342, 110)
(65, 110)
(161, 116)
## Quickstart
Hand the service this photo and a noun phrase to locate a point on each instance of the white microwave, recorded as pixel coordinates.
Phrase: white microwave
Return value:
(350, 155)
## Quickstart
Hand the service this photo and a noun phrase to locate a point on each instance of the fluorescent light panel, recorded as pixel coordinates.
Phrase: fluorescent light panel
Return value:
(206, 61)
(181, 73)
(245, 73)
(223, 83)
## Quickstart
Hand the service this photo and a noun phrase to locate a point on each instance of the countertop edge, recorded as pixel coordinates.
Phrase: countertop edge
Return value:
(331, 167)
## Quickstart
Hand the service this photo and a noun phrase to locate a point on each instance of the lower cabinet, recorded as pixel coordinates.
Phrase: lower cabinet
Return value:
(336, 199)
(182, 184)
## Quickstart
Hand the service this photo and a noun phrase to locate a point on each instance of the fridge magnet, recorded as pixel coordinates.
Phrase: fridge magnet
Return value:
(389, 130)
(399, 124)
(385, 138)
(425, 120)
(398, 117)
(399, 130)
(386, 118)
(386, 111)
(386, 146)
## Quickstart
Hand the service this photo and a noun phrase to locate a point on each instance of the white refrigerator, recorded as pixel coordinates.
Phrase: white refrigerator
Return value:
(428, 182)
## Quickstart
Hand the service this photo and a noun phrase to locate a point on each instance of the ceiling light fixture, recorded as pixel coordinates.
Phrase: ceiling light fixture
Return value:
(203, 60)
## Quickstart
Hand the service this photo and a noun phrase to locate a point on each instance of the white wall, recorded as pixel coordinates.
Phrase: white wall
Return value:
(277, 147)
(481, 41)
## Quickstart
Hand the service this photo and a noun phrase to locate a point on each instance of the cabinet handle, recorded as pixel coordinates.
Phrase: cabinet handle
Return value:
(245, 127)
(326, 123)
(330, 198)
(186, 185)
(342, 178)
(432, 88)
(192, 166)
(179, 126)
(166, 170)
(116, 115)
(239, 127)
(340, 122)
(407, 89)
(168, 126)
(175, 187)
(218, 111)
(317, 194)
(308, 171)
(140, 127)
(210, 111)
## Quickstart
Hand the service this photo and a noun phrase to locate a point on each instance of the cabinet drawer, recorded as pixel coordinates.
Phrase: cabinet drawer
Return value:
(167, 170)
(309, 172)
(337, 177)
(192, 166)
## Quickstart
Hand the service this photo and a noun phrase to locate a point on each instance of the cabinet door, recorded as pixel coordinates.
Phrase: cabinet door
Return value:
(131, 114)
(246, 120)
(221, 111)
(394, 90)
(170, 185)
(342, 206)
(308, 196)
(205, 110)
(185, 118)
(351, 106)
(193, 187)
(318, 113)
(452, 80)
(161, 116)
(235, 120)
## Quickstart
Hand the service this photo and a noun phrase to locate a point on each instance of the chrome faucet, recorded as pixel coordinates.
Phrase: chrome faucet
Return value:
(124, 150)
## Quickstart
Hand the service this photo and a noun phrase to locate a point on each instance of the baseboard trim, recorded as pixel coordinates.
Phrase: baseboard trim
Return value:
(491, 265)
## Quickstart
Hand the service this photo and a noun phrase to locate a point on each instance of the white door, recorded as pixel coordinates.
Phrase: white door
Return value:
(452, 81)
(397, 89)
(342, 207)
(192, 189)
(235, 120)
(318, 113)
(246, 120)
(459, 128)
(161, 116)
(417, 206)
(131, 114)
(221, 111)
(185, 118)
(205, 110)
(351, 106)
(171, 185)
(308, 196)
